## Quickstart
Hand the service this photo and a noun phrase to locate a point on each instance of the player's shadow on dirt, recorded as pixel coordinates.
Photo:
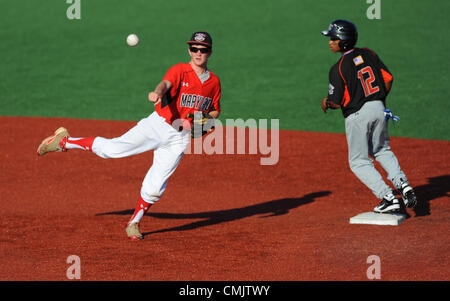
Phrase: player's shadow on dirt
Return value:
(267, 209)
(436, 187)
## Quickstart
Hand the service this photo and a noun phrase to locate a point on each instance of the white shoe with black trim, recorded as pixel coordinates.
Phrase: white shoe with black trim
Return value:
(408, 195)
(388, 204)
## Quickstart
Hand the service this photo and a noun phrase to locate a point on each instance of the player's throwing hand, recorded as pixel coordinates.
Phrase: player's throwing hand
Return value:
(154, 97)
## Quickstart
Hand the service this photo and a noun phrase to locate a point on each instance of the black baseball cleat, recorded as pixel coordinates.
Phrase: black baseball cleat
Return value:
(389, 204)
(408, 195)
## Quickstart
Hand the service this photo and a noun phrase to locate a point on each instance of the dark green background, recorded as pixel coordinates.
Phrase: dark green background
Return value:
(269, 55)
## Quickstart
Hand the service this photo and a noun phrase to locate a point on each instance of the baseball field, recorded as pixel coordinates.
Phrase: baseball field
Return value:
(223, 217)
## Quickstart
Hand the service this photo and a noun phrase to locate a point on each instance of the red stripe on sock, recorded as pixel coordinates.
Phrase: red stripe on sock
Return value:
(141, 205)
(85, 143)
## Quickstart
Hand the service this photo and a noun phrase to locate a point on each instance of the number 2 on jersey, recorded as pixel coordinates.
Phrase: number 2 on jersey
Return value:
(367, 83)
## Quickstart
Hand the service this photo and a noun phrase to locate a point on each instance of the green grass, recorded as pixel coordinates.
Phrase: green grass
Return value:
(269, 55)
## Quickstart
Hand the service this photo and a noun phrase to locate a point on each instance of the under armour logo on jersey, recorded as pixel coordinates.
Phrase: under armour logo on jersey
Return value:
(185, 84)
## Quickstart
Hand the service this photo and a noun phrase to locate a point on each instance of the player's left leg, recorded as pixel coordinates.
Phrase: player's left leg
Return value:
(166, 159)
(165, 162)
(132, 227)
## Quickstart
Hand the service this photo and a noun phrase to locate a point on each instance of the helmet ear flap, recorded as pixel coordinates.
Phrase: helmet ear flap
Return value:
(343, 45)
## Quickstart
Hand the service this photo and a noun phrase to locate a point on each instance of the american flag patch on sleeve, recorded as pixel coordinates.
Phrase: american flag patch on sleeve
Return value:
(358, 60)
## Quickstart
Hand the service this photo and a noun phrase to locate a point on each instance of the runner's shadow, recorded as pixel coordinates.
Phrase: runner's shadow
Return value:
(267, 209)
(436, 187)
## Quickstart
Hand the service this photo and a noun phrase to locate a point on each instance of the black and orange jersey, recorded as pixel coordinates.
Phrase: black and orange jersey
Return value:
(358, 77)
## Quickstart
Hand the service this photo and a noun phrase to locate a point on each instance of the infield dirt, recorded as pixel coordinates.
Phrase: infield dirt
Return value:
(222, 217)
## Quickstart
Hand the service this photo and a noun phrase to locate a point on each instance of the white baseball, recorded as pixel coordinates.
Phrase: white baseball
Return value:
(132, 40)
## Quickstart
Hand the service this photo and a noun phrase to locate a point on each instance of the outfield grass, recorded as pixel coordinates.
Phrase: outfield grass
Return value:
(269, 55)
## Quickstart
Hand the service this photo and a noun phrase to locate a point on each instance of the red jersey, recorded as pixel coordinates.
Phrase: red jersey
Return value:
(188, 94)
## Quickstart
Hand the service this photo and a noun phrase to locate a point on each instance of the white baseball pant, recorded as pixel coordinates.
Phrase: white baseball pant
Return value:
(151, 133)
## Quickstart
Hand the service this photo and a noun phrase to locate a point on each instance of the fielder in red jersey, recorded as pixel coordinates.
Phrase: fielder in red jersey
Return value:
(189, 87)
(188, 93)
(185, 89)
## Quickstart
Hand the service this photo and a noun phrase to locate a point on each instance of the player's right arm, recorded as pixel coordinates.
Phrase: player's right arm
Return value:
(388, 86)
(161, 89)
(387, 76)
(171, 79)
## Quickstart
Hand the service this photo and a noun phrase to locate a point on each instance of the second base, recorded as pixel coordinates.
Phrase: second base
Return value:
(372, 218)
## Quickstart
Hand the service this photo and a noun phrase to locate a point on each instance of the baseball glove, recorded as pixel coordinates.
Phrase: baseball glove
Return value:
(203, 123)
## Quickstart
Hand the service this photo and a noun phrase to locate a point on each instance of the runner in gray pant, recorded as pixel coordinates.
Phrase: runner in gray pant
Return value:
(359, 85)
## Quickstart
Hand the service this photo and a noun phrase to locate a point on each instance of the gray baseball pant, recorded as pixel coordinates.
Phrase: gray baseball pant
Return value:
(367, 135)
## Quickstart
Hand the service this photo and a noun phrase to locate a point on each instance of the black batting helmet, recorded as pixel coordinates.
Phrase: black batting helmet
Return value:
(343, 30)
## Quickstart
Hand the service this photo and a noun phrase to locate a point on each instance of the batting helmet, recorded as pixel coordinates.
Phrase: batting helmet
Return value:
(343, 30)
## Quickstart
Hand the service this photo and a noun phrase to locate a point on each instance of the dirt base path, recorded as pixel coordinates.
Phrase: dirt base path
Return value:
(223, 217)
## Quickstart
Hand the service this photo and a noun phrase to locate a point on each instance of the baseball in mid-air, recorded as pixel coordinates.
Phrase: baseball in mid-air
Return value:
(132, 40)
